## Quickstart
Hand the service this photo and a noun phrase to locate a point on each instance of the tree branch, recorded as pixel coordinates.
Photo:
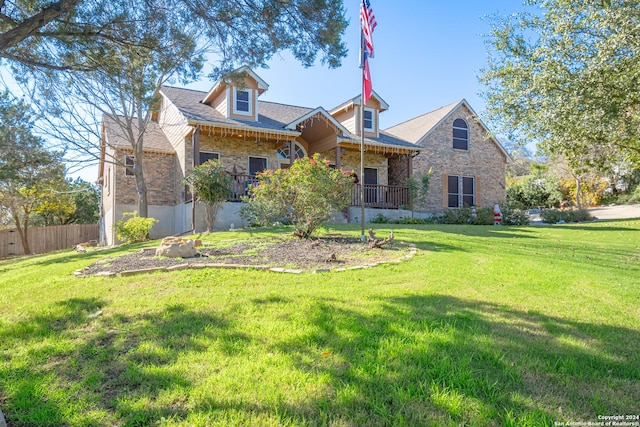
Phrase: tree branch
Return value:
(27, 27)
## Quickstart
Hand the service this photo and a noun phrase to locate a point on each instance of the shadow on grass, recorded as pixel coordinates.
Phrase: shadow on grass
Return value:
(412, 360)
(107, 359)
(439, 360)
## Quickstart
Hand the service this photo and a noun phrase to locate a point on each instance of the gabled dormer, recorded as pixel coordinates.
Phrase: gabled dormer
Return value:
(348, 114)
(236, 96)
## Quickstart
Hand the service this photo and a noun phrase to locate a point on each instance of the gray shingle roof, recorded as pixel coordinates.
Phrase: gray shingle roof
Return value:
(154, 138)
(271, 116)
(414, 129)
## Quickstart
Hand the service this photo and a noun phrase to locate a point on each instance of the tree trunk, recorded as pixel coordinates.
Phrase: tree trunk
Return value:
(578, 198)
(23, 232)
(209, 216)
(141, 185)
(141, 188)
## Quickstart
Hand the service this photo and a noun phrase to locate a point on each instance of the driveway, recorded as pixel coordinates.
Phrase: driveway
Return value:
(601, 213)
(615, 212)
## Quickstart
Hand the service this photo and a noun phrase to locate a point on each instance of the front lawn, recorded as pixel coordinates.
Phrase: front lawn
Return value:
(484, 326)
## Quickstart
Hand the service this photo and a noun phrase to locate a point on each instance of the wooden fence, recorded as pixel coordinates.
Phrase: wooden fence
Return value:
(47, 239)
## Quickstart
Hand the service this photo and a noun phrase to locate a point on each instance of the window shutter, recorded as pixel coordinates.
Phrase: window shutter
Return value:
(478, 199)
(445, 195)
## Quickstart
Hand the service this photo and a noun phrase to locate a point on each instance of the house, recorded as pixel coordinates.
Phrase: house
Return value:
(468, 164)
(247, 135)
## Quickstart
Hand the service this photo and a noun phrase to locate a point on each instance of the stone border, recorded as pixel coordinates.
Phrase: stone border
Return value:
(186, 266)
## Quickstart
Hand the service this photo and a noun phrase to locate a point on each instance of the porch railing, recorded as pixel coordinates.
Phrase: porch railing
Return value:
(381, 196)
(240, 185)
(375, 196)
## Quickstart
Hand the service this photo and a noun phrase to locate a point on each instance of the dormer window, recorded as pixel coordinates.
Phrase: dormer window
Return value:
(368, 121)
(242, 103)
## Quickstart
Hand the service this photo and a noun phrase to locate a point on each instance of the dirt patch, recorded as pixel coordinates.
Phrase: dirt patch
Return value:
(284, 252)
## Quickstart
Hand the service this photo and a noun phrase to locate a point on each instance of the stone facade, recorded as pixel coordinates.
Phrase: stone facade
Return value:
(399, 169)
(160, 175)
(350, 160)
(484, 161)
(235, 152)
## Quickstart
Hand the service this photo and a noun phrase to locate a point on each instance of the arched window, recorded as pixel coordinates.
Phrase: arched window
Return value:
(284, 154)
(460, 135)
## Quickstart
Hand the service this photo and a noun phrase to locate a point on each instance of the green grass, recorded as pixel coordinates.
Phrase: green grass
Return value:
(484, 326)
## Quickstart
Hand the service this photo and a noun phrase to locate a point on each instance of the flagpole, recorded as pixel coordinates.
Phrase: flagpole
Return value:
(361, 124)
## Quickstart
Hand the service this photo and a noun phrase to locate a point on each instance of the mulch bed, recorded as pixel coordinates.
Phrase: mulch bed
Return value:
(289, 252)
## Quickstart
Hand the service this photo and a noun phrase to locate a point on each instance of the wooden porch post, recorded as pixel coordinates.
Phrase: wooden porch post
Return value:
(196, 147)
(292, 152)
(410, 165)
(338, 165)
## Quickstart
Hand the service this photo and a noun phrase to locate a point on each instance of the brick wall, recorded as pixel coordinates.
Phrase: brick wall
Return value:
(350, 160)
(160, 172)
(484, 161)
(399, 169)
(235, 152)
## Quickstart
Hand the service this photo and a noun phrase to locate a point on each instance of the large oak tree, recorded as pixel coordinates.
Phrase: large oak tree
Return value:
(114, 67)
(567, 75)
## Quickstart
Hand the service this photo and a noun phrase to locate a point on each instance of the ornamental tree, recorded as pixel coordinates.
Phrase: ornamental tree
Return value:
(306, 194)
(211, 184)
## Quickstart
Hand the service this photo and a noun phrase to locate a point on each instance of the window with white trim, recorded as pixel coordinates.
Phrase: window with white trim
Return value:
(284, 152)
(460, 135)
(242, 103)
(257, 164)
(368, 120)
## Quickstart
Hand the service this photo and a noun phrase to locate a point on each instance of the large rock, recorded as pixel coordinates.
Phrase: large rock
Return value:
(177, 247)
(3, 423)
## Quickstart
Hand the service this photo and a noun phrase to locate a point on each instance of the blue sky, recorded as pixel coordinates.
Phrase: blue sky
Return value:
(427, 54)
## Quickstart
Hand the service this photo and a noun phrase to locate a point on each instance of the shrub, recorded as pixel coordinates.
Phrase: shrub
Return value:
(418, 189)
(484, 216)
(511, 216)
(306, 194)
(550, 216)
(380, 219)
(457, 216)
(577, 215)
(532, 192)
(135, 229)
(553, 216)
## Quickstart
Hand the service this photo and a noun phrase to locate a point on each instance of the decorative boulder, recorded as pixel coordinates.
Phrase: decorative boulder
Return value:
(176, 247)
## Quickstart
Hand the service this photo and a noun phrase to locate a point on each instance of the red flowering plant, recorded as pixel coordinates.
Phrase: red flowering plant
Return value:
(306, 195)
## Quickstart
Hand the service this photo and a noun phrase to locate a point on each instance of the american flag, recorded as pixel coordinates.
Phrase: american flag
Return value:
(368, 22)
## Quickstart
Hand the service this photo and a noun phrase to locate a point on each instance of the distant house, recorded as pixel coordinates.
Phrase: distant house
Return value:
(247, 135)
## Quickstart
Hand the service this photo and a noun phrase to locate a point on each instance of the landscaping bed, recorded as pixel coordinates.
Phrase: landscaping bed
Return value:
(330, 252)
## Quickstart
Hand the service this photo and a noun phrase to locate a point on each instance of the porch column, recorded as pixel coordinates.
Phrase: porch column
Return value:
(338, 165)
(292, 152)
(196, 147)
(410, 165)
